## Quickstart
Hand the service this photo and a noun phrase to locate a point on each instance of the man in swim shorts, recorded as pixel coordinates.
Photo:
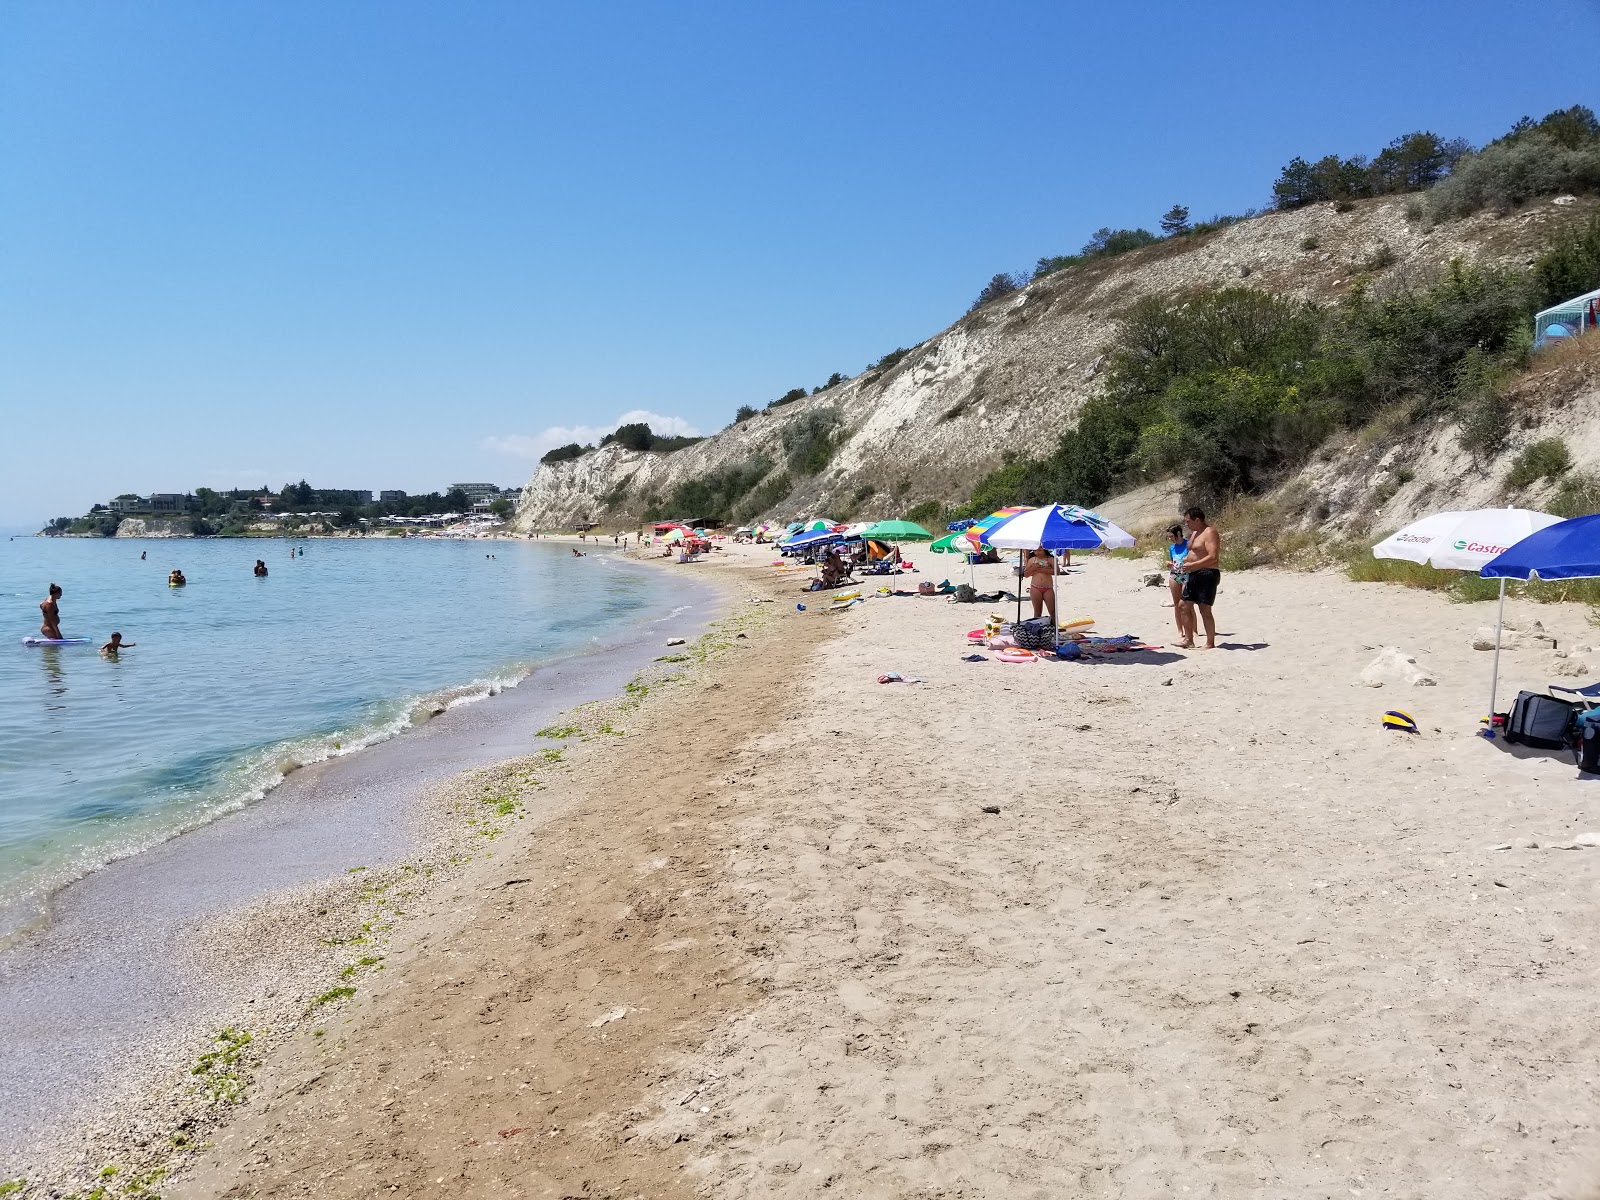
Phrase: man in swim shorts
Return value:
(50, 627)
(1200, 590)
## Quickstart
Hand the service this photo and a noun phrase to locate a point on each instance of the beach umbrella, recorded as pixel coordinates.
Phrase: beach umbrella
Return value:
(902, 531)
(817, 524)
(1468, 541)
(976, 529)
(803, 541)
(1055, 527)
(1560, 550)
(953, 543)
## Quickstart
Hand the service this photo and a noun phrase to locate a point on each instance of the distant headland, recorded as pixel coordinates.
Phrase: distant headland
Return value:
(295, 510)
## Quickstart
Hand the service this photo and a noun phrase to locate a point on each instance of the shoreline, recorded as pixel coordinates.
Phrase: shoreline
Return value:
(28, 909)
(1118, 926)
(174, 933)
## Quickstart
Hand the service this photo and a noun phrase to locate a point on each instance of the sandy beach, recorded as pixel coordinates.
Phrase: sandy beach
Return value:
(1225, 935)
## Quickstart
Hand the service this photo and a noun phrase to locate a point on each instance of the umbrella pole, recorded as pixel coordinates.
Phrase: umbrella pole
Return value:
(1021, 579)
(1055, 602)
(1494, 677)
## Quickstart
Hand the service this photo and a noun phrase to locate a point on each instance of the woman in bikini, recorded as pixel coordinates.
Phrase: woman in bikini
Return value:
(50, 627)
(1039, 571)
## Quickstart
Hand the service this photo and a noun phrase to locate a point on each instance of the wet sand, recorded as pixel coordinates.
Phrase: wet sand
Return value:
(145, 958)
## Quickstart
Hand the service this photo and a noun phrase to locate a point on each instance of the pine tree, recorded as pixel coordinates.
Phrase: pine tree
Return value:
(1176, 221)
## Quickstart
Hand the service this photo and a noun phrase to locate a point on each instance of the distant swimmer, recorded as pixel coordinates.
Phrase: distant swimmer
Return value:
(175, 578)
(576, 553)
(116, 643)
(142, 553)
(50, 627)
(261, 569)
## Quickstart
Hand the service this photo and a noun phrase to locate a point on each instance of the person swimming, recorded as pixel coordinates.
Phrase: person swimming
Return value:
(261, 569)
(175, 578)
(116, 643)
(50, 627)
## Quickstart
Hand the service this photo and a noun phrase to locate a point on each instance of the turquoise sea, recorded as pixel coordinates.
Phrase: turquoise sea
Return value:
(233, 678)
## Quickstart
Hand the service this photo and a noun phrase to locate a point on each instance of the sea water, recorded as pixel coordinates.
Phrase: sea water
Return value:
(235, 680)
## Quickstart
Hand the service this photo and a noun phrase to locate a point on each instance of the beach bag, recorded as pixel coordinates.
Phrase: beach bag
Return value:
(1540, 721)
(1589, 742)
(1033, 635)
(965, 594)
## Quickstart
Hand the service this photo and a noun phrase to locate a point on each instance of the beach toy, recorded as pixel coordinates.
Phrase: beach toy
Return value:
(799, 608)
(1400, 721)
(1080, 624)
(1016, 654)
(39, 641)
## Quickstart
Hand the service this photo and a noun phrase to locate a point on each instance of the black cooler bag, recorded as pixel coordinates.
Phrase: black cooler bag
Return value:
(1540, 721)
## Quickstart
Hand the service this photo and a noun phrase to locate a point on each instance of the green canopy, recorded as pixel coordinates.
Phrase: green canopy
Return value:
(953, 543)
(896, 531)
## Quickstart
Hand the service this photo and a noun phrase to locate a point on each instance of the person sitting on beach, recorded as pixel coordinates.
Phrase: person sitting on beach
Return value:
(116, 643)
(1176, 575)
(50, 627)
(1039, 570)
(261, 569)
(1200, 591)
(175, 578)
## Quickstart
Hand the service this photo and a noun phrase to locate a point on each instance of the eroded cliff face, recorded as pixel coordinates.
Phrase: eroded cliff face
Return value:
(154, 527)
(1010, 378)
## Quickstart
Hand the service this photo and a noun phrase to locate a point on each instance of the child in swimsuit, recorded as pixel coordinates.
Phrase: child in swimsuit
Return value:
(1177, 576)
(116, 643)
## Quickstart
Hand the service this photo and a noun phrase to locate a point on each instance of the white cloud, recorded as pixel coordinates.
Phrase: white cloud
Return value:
(534, 446)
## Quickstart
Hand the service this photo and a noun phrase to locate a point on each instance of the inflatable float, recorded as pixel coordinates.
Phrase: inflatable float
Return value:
(39, 641)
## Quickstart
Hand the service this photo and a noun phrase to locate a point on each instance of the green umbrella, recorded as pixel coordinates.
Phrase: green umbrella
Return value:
(954, 543)
(896, 530)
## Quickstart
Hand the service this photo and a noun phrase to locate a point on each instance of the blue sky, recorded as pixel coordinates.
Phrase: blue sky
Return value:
(399, 244)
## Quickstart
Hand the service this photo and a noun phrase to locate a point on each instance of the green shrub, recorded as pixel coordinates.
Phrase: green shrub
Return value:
(1569, 267)
(1578, 496)
(1511, 172)
(562, 453)
(998, 287)
(1547, 458)
(715, 494)
(930, 513)
(889, 360)
(810, 439)
(743, 413)
(1106, 241)
(1050, 264)
(1311, 243)
(764, 497)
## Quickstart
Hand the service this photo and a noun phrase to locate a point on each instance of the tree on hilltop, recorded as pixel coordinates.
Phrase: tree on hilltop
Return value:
(1000, 285)
(1176, 221)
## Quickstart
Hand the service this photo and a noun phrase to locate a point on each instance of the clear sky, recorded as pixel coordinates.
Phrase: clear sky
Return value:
(393, 244)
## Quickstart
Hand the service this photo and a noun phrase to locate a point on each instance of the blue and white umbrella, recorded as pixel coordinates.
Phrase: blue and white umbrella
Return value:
(802, 541)
(1055, 527)
(1559, 550)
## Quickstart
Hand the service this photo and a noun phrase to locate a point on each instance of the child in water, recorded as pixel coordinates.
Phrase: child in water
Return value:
(116, 643)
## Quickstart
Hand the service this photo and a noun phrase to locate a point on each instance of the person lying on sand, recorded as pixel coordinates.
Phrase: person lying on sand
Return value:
(116, 643)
